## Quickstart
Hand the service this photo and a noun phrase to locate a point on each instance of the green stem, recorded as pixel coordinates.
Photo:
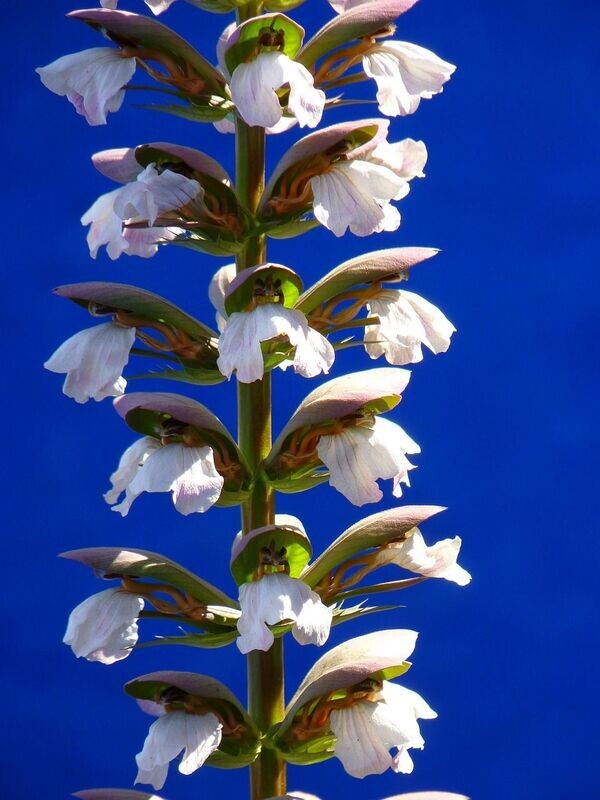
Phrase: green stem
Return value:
(266, 699)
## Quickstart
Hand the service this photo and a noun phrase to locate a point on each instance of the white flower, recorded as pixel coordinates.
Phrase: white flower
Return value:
(149, 466)
(254, 87)
(152, 193)
(239, 343)
(406, 321)
(365, 732)
(437, 561)
(358, 456)
(104, 627)
(274, 599)
(198, 735)
(356, 193)
(92, 81)
(404, 74)
(93, 360)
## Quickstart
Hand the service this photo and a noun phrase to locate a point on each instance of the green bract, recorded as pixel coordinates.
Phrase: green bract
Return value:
(249, 38)
(246, 551)
(266, 281)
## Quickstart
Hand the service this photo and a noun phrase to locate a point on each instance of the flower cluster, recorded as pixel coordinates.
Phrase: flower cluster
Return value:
(343, 177)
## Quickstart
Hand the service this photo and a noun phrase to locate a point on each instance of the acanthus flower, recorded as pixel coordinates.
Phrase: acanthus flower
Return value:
(143, 200)
(436, 561)
(406, 322)
(197, 735)
(93, 360)
(356, 192)
(104, 626)
(405, 73)
(240, 342)
(188, 472)
(92, 80)
(276, 598)
(358, 456)
(367, 730)
(243, 332)
(254, 86)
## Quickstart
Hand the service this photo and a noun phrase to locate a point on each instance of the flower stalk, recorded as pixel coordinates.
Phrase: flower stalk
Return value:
(266, 700)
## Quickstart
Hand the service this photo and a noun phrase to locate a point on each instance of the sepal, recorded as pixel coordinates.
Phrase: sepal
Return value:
(245, 40)
(187, 691)
(395, 524)
(381, 266)
(273, 281)
(247, 550)
(366, 19)
(111, 563)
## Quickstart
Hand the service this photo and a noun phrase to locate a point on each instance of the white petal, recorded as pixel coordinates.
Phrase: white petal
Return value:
(305, 102)
(404, 74)
(313, 622)
(158, 6)
(104, 627)
(357, 457)
(399, 333)
(239, 343)
(92, 80)
(253, 88)
(105, 226)
(188, 472)
(406, 158)
(403, 762)
(314, 354)
(437, 561)
(153, 193)
(277, 598)
(130, 463)
(352, 195)
(438, 329)
(94, 360)
(358, 745)
(198, 735)
(216, 292)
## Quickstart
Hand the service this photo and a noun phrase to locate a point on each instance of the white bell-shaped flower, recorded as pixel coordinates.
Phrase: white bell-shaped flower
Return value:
(104, 627)
(91, 80)
(189, 473)
(277, 598)
(254, 86)
(437, 561)
(367, 731)
(93, 361)
(240, 350)
(142, 201)
(356, 193)
(357, 457)
(406, 321)
(405, 73)
(198, 735)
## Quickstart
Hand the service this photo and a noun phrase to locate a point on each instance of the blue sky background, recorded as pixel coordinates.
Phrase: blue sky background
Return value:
(507, 420)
